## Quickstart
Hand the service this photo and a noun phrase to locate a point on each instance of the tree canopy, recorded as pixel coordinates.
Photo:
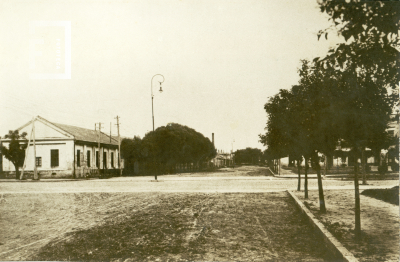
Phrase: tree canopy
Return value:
(176, 143)
(169, 145)
(347, 95)
(248, 156)
(15, 152)
(371, 32)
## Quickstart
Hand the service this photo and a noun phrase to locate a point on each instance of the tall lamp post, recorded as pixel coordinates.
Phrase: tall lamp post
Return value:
(152, 108)
(152, 96)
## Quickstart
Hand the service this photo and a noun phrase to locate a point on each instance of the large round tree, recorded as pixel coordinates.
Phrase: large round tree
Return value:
(174, 144)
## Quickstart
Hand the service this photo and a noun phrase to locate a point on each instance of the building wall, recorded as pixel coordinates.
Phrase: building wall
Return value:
(84, 169)
(43, 149)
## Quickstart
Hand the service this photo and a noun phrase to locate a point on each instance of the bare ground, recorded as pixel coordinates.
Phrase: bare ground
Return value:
(379, 223)
(231, 172)
(155, 226)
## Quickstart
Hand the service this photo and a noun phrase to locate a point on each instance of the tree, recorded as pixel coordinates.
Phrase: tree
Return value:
(131, 151)
(368, 62)
(173, 144)
(248, 156)
(316, 112)
(305, 121)
(15, 152)
(285, 135)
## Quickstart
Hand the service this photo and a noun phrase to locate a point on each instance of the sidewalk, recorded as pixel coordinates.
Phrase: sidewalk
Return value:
(379, 223)
(284, 173)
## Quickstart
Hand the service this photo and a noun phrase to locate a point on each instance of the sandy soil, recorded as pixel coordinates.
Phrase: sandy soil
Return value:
(379, 223)
(229, 172)
(155, 226)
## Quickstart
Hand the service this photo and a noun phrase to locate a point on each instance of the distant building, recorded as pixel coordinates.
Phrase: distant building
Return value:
(67, 151)
(222, 159)
(348, 160)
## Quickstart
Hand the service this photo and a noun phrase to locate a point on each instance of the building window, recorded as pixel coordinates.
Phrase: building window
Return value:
(104, 160)
(39, 161)
(78, 158)
(112, 159)
(54, 158)
(97, 159)
(88, 158)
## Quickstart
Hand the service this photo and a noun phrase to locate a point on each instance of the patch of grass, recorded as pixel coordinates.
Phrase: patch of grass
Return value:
(390, 195)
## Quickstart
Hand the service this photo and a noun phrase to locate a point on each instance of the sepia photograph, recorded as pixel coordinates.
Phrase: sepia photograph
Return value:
(199, 130)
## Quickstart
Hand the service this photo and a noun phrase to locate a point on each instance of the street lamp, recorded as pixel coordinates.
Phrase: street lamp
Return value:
(152, 96)
(152, 108)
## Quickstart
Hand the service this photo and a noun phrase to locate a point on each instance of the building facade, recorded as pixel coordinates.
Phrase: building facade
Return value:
(66, 151)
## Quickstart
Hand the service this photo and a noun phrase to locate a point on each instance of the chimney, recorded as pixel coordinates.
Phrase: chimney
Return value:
(213, 139)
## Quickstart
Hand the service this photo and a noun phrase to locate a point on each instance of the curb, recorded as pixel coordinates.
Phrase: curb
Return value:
(271, 172)
(330, 242)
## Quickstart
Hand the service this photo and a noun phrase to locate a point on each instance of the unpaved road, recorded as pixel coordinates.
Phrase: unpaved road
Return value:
(151, 226)
(34, 214)
(230, 180)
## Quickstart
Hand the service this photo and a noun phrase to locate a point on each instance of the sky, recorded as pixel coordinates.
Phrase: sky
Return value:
(221, 61)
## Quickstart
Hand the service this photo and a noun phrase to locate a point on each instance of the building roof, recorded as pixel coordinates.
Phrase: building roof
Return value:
(79, 133)
(84, 134)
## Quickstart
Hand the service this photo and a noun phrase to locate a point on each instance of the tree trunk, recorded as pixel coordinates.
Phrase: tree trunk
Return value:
(17, 172)
(306, 180)
(322, 207)
(357, 212)
(298, 172)
(155, 171)
(364, 169)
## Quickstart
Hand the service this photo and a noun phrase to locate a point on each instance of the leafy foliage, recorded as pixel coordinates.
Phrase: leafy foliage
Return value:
(16, 150)
(248, 156)
(131, 152)
(369, 61)
(168, 146)
(176, 143)
(301, 121)
(371, 31)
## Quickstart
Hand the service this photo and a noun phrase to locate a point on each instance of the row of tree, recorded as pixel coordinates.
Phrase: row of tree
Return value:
(346, 96)
(166, 147)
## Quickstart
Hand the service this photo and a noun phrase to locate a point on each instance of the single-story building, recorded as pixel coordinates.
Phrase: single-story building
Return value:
(66, 151)
(222, 159)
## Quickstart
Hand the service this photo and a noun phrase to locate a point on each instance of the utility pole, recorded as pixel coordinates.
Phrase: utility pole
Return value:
(110, 132)
(119, 148)
(35, 175)
(26, 152)
(98, 164)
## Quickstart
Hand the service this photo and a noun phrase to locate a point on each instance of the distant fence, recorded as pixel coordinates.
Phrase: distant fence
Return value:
(146, 169)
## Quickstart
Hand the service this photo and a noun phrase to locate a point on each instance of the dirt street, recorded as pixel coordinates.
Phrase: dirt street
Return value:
(151, 226)
(41, 218)
(244, 179)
